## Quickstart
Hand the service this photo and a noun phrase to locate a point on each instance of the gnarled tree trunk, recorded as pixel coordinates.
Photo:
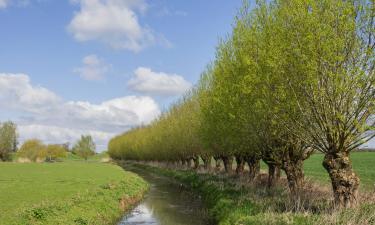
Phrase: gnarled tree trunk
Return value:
(207, 162)
(196, 162)
(190, 163)
(254, 166)
(272, 174)
(277, 172)
(217, 163)
(228, 161)
(294, 174)
(240, 165)
(345, 182)
(183, 163)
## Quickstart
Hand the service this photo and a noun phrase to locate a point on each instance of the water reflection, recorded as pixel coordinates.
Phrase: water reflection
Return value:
(167, 203)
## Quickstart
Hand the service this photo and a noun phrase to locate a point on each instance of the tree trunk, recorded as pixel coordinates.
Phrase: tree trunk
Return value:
(240, 165)
(228, 161)
(184, 163)
(190, 163)
(277, 172)
(271, 175)
(294, 175)
(254, 167)
(207, 162)
(196, 162)
(217, 163)
(345, 182)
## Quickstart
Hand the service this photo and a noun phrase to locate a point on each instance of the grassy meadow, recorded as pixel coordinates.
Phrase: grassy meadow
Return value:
(70, 192)
(363, 164)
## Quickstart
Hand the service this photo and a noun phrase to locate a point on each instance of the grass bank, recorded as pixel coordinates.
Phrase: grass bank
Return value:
(232, 201)
(66, 193)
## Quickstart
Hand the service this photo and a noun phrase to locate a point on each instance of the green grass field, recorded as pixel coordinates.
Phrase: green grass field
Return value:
(68, 192)
(363, 164)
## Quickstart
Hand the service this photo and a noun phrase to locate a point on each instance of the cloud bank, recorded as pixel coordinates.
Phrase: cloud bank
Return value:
(50, 118)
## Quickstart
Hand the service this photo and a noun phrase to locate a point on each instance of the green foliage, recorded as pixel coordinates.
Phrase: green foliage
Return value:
(85, 147)
(54, 152)
(8, 140)
(33, 149)
(293, 77)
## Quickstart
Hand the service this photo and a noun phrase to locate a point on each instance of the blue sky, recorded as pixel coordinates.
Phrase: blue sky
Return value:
(91, 59)
(35, 40)
(99, 67)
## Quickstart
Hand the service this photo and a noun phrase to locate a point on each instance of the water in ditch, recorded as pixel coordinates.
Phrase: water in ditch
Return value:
(166, 203)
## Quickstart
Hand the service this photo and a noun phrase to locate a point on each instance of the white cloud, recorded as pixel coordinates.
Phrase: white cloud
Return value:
(16, 92)
(158, 83)
(113, 22)
(16, 3)
(93, 68)
(3, 3)
(165, 11)
(51, 119)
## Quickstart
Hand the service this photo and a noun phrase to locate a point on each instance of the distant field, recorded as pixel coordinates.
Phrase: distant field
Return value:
(363, 164)
(53, 187)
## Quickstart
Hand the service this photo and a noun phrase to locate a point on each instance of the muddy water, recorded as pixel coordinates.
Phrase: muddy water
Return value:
(167, 203)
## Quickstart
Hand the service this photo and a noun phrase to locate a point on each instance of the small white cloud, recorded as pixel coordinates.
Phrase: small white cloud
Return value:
(93, 68)
(165, 11)
(3, 4)
(158, 83)
(15, 3)
(113, 22)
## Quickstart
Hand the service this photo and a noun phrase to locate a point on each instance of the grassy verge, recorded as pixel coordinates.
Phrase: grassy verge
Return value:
(66, 193)
(234, 202)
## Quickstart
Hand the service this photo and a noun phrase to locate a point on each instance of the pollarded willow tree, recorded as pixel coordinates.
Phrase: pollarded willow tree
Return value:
(264, 83)
(172, 138)
(329, 67)
(294, 76)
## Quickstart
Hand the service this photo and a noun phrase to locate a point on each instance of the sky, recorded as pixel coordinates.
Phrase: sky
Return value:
(100, 67)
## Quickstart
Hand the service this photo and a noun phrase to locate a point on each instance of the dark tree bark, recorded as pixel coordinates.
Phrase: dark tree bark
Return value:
(294, 174)
(254, 166)
(190, 163)
(228, 162)
(272, 173)
(345, 182)
(217, 163)
(207, 162)
(183, 163)
(277, 172)
(196, 162)
(240, 165)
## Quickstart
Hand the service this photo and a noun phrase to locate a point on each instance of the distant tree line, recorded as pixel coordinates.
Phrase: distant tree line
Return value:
(36, 151)
(293, 77)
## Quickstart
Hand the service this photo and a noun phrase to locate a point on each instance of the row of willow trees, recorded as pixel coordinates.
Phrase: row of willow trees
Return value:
(293, 77)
